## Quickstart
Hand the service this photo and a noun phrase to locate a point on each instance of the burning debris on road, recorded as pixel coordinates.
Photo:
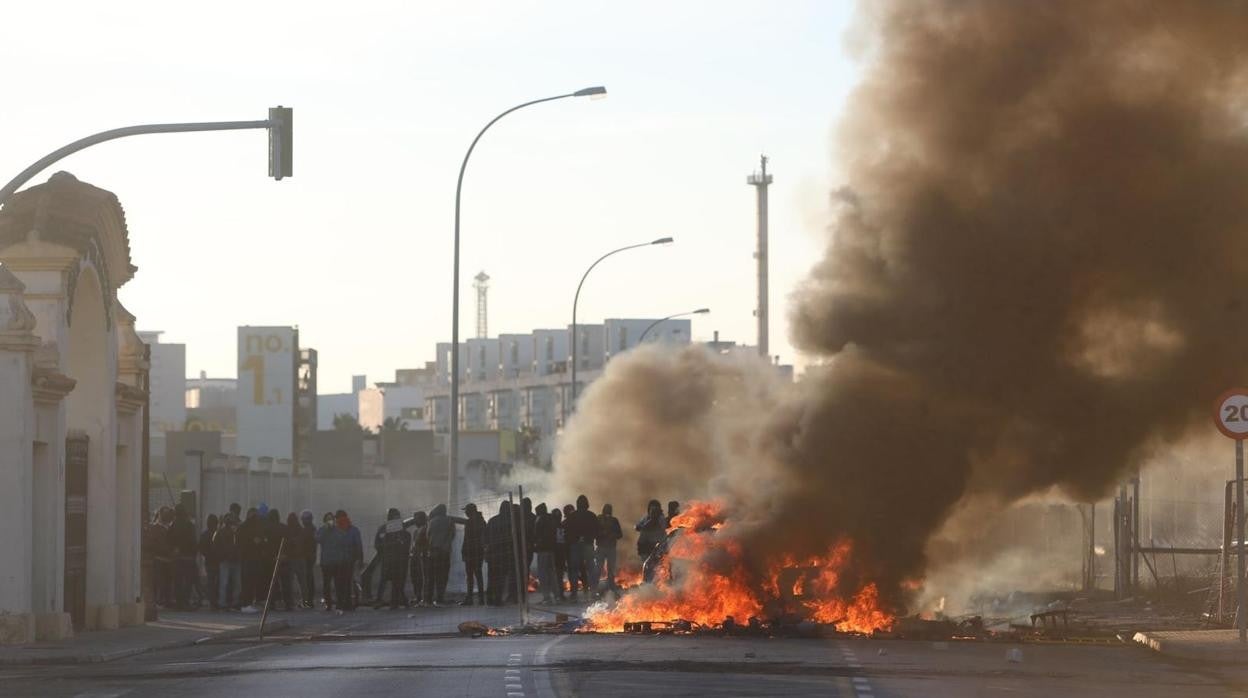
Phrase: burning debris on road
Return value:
(706, 580)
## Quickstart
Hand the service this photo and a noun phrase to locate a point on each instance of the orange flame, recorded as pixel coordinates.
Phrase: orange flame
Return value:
(705, 579)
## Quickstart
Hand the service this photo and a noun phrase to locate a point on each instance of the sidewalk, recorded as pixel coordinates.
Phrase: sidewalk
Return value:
(1205, 645)
(173, 629)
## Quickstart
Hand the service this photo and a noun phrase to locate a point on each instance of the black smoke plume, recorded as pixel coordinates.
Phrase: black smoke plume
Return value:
(1037, 275)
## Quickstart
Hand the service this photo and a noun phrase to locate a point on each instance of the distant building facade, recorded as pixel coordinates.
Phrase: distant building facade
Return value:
(167, 394)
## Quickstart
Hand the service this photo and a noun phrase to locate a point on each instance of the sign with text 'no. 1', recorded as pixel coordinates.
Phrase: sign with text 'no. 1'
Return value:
(265, 400)
(1231, 413)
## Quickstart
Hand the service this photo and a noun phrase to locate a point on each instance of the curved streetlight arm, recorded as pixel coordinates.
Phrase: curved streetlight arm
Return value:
(699, 311)
(577, 298)
(103, 136)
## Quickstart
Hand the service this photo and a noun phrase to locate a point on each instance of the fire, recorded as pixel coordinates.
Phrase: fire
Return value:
(705, 579)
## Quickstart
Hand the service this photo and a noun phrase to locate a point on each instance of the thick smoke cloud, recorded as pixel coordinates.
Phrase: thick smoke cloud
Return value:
(1037, 276)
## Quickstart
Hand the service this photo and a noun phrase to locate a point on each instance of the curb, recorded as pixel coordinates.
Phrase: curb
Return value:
(104, 657)
(1173, 651)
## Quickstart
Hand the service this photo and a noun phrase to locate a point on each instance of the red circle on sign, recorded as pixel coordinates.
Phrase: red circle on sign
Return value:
(1233, 413)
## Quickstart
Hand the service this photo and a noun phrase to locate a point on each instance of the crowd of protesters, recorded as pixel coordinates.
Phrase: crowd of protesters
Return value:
(253, 558)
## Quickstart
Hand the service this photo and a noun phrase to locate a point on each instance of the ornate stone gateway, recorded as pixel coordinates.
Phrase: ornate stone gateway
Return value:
(72, 374)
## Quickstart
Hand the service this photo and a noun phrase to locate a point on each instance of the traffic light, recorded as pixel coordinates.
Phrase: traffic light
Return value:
(281, 144)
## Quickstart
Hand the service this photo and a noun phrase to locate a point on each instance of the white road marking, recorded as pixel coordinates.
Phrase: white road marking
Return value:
(102, 694)
(240, 650)
(541, 679)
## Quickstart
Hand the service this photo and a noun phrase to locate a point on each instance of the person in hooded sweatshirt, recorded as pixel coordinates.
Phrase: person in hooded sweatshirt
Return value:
(582, 531)
(544, 549)
(609, 534)
(651, 532)
(184, 546)
(418, 563)
(499, 554)
(307, 537)
(229, 574)
(472, 551)
(395, 547)
(296, 556)
(441, 538)
(276, 552)
(251, 544)
(561, 552)
(211, 568)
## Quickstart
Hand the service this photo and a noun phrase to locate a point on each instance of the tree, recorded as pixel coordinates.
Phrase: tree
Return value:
(393, 424)
(346, 422)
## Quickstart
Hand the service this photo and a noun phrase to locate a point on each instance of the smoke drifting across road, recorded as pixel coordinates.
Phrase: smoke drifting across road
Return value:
(1037, 274)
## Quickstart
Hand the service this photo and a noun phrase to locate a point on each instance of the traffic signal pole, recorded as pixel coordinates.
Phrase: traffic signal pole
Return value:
(279, 125)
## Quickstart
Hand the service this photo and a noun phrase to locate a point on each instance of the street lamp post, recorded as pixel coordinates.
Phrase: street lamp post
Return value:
(699, 311)
(575, 299)
(453, 459)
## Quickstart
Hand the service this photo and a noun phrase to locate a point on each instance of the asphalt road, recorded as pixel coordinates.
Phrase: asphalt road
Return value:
(624, 665)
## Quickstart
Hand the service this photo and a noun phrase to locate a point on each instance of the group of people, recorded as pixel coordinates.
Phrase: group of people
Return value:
(251, 559)
(248, 558)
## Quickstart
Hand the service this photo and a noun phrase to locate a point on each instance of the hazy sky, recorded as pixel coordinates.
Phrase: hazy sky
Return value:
(355, 249)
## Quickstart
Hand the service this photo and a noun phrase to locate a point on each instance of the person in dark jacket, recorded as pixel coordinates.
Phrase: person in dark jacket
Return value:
(609, 534)
(343, 548)
(211, 567)
(544, 550)
(472, 552)
(162, 556)
(327, 539)
(277, 557)
(673, 510)
(296, 557)
(229, 570)
(251, 544)
(561, 553)
(582, 531)
(307, 538)
(652, 530)
(373, 570)
(183, 547)
(499, 554)
(395, 547)
(418, 561)
(441, 538)
(530, 532)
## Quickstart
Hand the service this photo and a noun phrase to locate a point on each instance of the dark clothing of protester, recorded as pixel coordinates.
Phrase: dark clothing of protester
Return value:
(609, 533)
(183, 546)
(499, 555)
(561, 558)
(419, 563)
(472, 552)
(544, 529)
(309, 562)
(652, 531)
(211, 564)
(441, 530)
(441, 535)
(394, 547)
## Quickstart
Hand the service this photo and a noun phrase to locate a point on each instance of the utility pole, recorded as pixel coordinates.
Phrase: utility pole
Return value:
(760, 181)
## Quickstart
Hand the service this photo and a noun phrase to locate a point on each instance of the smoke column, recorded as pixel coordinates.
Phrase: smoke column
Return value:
(1036, 278)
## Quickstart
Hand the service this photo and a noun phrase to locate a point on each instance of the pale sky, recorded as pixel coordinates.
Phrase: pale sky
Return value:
(355, 249)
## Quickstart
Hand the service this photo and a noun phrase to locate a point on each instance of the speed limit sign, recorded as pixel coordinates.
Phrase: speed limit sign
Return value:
(1231, 413)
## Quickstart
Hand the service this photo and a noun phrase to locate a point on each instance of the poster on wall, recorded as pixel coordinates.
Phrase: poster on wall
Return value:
(267, 360)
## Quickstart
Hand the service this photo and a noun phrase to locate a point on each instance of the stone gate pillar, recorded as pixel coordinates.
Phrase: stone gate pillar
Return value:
(17, 435)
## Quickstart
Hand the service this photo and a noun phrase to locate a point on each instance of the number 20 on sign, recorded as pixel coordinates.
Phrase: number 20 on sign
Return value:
(1232, 413)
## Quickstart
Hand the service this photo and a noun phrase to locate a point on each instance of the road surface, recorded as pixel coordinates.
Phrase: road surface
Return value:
(360, 662)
